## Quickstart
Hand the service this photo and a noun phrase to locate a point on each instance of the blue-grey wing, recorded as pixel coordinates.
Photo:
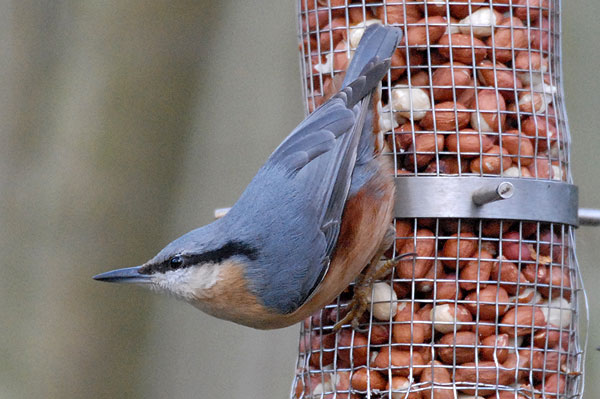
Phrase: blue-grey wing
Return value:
(298, 197)
(320, 153)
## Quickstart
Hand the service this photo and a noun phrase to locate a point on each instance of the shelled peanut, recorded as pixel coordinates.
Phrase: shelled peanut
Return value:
(482, 307)
(472, 89)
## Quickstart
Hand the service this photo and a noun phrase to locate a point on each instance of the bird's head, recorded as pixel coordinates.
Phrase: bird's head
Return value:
(196, 267)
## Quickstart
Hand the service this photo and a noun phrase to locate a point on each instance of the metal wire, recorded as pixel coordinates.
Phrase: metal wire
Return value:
(487, 307)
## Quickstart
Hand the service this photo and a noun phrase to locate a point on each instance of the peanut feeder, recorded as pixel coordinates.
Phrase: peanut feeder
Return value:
(473, 116)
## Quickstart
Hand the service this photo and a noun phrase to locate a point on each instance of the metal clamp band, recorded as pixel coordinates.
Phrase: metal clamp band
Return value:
(486, 198)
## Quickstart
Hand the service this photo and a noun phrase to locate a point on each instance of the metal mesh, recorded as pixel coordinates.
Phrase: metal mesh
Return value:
(482, 100)
(487, 308)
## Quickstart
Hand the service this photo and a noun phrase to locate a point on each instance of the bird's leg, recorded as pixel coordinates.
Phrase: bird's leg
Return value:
(364, 282)
(372, 270)
(362, 289)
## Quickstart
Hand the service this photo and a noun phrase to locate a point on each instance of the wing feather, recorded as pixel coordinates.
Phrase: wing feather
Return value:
(321, 152)
(321, 129)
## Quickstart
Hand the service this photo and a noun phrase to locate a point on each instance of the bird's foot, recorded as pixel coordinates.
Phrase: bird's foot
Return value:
(362, 291)
(358, 304)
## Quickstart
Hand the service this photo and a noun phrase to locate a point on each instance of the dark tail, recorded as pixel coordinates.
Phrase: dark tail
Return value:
(369, 65)
(373, 54)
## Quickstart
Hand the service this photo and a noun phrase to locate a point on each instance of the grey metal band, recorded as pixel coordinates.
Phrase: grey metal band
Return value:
(486, 198)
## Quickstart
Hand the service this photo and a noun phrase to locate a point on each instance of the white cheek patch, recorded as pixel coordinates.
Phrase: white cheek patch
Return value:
(190, 282)
(205, 277)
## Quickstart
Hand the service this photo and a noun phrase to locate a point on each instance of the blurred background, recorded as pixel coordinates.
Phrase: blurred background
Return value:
(124, 124)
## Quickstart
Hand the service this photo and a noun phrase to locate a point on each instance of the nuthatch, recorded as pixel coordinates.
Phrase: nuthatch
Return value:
(317, 212)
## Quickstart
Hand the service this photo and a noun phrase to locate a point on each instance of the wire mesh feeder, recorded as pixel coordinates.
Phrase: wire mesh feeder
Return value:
(490, 306)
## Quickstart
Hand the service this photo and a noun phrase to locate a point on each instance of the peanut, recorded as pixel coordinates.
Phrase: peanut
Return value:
(490, 162)
(417, 35)
(352, 347)
(423, 245)
(400, 388)
(531, 9)
(425, 147)
(491, 302)
(401, 362)
(499, 76)
(519, 146)
(508, 275)
(522, 320)
(476, 271)
(322, 349)
(553, 387)
(380, 334)
(366, 380)
(449, 80)
(436, 373)
(512, 247)
(458, 249)
(446, 287)
(447, 116)
(463, 48)
(494, 348)
(457, 349)
(447, 317)
(558, 281)
(406, 328)
(491, 116)
(394, 13)
(501, 44)
(547, 362)
(468, 143)
(458, 8)
(483, 372)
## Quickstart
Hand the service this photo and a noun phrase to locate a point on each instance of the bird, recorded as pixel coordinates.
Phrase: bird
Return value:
(317, 214)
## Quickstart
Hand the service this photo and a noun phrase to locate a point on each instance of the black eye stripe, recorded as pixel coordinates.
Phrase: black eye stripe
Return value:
(232, 248)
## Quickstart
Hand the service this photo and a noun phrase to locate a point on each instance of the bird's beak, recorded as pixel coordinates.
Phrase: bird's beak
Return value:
(126, 275)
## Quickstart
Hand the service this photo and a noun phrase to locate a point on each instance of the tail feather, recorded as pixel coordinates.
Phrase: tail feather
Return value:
(369, 65)
(360, 87)
(377, 43)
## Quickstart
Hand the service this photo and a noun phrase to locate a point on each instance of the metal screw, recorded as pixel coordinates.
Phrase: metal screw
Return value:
(589, 217)
(486, 195)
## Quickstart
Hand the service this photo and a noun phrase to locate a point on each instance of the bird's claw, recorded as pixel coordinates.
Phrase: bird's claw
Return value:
(362, 292)
(388, 265)
(358, 305)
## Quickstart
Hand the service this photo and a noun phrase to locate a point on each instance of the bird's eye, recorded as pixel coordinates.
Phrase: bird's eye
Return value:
(176, 262)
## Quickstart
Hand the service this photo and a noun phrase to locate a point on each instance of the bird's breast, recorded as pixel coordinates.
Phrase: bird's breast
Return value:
(229, 298)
